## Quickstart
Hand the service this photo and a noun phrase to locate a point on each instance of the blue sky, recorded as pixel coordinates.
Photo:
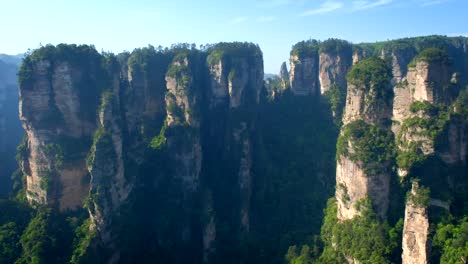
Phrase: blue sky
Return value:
(117, 25)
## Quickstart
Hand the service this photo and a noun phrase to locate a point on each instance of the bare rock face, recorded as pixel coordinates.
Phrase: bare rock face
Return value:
(303, 75)
(219, 84)
(368, 101)
(366, 98)
(182, 102)
(54, 116)
(415, 232)
(428, 80)
(332, 70)
(182, 133)
(457, 148)
(236, 81)
(109, 185)
(423, 81)
(354, 185)
(284, 76)
(143, 98)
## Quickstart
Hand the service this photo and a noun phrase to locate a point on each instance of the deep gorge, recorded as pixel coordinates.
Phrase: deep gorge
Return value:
(357, 154)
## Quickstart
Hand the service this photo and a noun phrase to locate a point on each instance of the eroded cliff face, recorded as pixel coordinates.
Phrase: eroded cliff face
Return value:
(109, 183)
(416, 230)
(368, 101)
(59, 127)
(284, 76)
(354, 185)
(183, 106)
(303, 75)
(172, 139)
(333, 68)
(236, 83)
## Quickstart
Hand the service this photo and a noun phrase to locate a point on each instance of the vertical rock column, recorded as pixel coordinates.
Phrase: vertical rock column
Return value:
(236, 79)
(367, 111)
(422, 89)
(58, 102)
(303, 75)
(416, 228)
(182, 130)
(109, 186)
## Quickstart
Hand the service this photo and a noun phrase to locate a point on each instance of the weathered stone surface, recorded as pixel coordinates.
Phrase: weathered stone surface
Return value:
(415, 233)
(284, 76)
(50, 109)
(303, 75)
(332, 70)
(353, 185)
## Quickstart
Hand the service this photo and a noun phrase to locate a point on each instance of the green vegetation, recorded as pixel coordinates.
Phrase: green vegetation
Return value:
(292, 157)
(78, 55)
(225, 50)
(336, 47)
(412, 155)
(14, 218)
(371, 145)
(158, 141)
(55, 154)
(364, 238)
(82, 243)
(304, 256)
(460, 105)
(293, 147)
(306, 48)
(412, 45)
(431, 55)
(177, 70)
(451, 239)
(98, 135)
(421, 197)
(336, 96)
(369, 72)
(428, 126)
(372, 76)
(22, 150)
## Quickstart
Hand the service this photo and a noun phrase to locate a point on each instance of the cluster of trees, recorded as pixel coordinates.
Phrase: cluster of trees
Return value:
(371, 145)
(332, 46)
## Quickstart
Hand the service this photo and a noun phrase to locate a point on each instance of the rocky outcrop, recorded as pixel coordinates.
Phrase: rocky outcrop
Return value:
(428, 83)
(236, 83)
(303, 75)
(284, 76)
(59, 121)
(368, 101)
(415, 231)
(333, 68)
(367, 98)
(109, 184)
(456, 150)
(354, 185)
(183, 109)
(236, 80)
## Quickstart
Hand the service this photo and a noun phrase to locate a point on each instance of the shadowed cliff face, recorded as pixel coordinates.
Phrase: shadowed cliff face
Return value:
(58, 109)
(400, 118)
(182, 150)
(95, 122)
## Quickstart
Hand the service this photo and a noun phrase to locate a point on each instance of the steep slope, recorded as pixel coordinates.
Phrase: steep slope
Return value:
(185, 155)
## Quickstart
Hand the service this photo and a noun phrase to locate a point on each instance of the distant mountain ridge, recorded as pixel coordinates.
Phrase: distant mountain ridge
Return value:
(12, 59)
